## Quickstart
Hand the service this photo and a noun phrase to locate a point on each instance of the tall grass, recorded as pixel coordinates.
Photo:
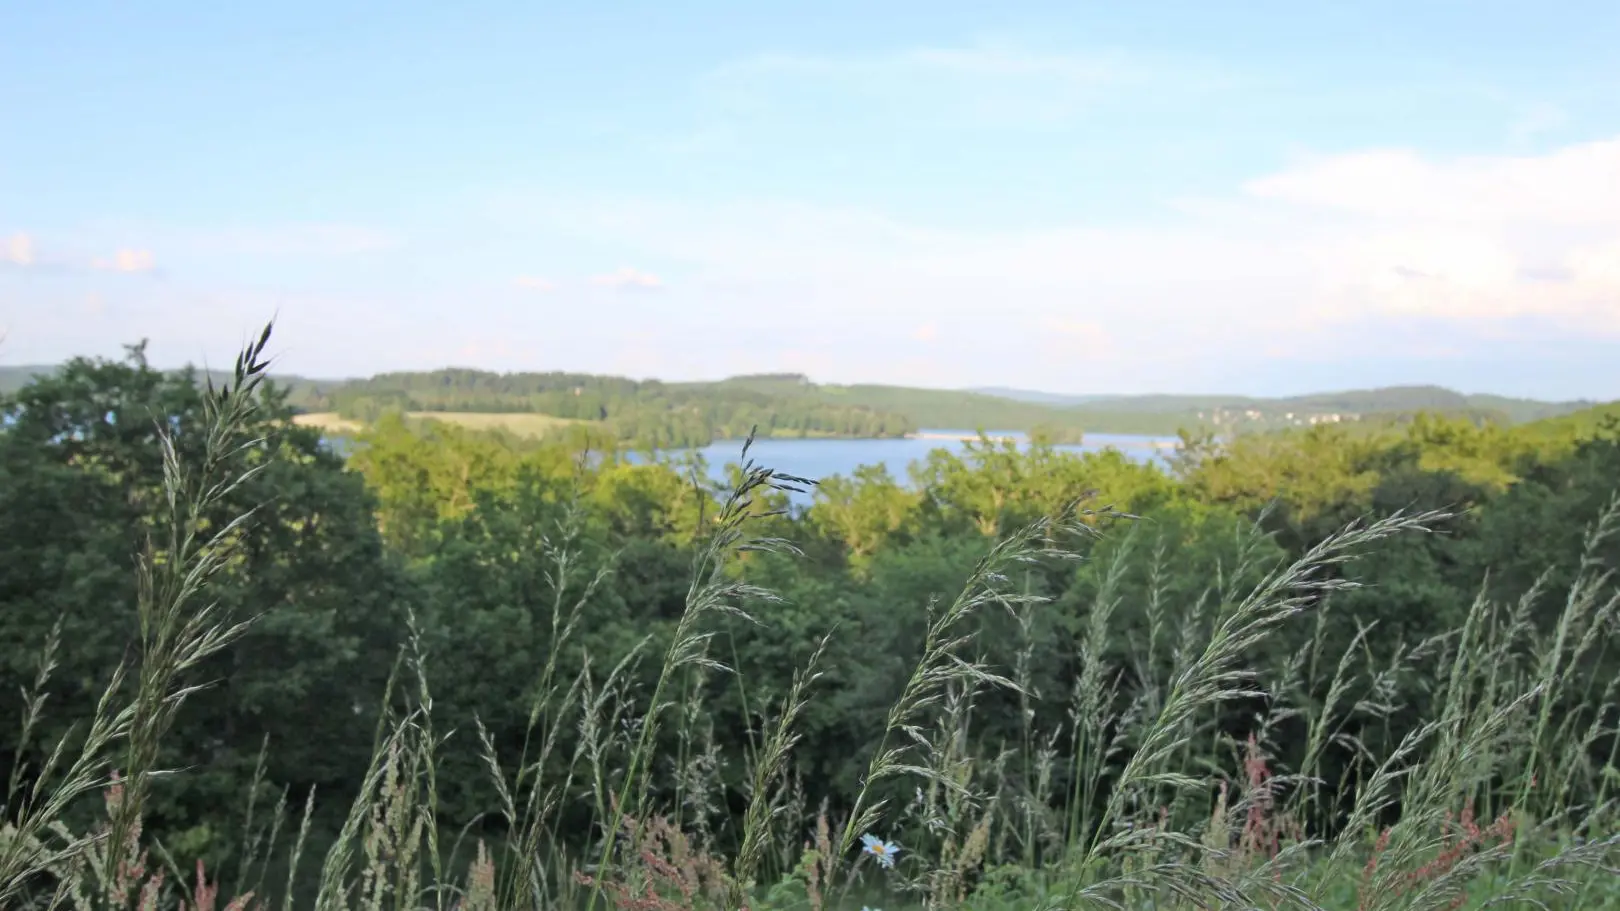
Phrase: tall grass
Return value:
(1111, 809)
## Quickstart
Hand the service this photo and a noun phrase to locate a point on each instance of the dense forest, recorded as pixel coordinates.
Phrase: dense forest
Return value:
(1323, 668)
(646, 413)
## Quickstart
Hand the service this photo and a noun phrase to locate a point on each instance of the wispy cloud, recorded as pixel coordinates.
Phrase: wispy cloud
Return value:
(1085, 335)
(534, 283)
(628, 279)
(19, 250)
(1330, 256)
(986, 84)
(1483, 238)
(258, 241)
(126, 261)
(1536, 120)
(303, 240)
(1069, 72)
(1332, 260)
(1575, 186)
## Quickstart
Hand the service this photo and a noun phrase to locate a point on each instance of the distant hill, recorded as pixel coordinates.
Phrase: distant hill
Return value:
(1039, 398)
(639, 412)
(1579, 424)
(14, 378)
(1526, 410)
(791, 404)
(1358, 402)
(945, 409)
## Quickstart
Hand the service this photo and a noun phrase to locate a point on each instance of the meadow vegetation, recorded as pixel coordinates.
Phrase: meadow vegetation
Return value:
(521, 424)
(1318, 670)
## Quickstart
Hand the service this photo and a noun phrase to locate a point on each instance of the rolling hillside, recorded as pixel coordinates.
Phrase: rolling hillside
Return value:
(789, 404)
(14, 378)
(1360, 402)
(955, 410)
(1579, 424)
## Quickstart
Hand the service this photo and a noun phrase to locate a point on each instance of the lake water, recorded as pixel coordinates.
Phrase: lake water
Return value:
(817, 459)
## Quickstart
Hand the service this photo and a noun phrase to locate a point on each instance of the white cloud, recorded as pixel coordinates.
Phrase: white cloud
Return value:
(316, 334)
(19, 250)
(126, 261)
(1596, 266)
(1335, 259)
(1088, 333)
(1577, 187)
(1536, 120)
(628, 279)
(534, 283)
(1470, 239)
(302, 240)
(1336, 248)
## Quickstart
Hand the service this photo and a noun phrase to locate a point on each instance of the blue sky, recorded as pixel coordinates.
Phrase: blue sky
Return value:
(1074, 197)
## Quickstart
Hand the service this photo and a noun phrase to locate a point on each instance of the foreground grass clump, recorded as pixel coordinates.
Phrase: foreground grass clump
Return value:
(1502, 795)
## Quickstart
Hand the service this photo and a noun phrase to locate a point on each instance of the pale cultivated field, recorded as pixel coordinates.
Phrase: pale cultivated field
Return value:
(328, 421)
(529, 425)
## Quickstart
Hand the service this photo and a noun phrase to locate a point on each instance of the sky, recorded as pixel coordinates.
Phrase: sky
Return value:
(1262, 198)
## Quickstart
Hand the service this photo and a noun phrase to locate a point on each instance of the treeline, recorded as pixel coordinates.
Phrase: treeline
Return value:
(946, 409)
(477, 545)
(1166, 415)
(1387, 400)
(640, 413)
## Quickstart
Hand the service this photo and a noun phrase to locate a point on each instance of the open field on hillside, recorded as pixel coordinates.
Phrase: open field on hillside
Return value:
(521, 423)
(328, 421)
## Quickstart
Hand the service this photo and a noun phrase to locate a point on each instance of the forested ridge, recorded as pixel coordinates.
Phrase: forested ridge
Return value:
(655, 414)
(650, 413)
(1385, 400)
(786, 404)
(1017, 664)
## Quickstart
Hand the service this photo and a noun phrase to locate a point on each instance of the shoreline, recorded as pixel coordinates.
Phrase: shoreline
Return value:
(1119, 444)
(331, 425)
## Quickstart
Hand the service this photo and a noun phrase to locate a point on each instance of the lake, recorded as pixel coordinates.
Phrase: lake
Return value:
(819, 459)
